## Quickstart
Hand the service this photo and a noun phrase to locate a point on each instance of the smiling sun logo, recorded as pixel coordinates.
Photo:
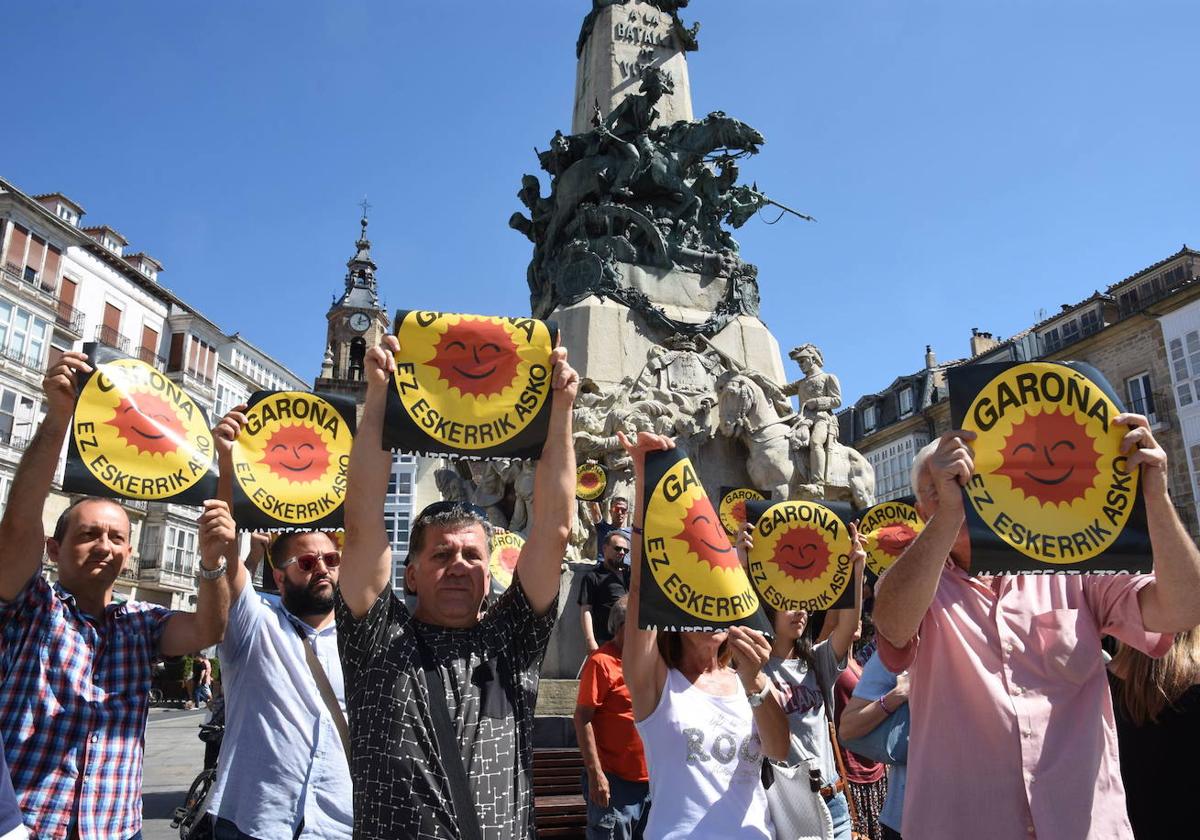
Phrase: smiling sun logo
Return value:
(297, 453)
(1050, 480)
(705, 536)
(471, 382)
(801, 556)
(887, 529)
(138, 433)
(506, 550)
(291, 457)
(477, 356)
(148, 423)
(687, 552)
(1050, 457)
(732, 509)
(591, 480)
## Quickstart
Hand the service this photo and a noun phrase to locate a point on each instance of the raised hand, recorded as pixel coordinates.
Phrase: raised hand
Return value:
(379, 363)
(61, 383)
(218, 534)
(951, 465)
(564, 379)
(643, 443)
(858, 553)
(1141, 447)
(751, 650)
(228, 428)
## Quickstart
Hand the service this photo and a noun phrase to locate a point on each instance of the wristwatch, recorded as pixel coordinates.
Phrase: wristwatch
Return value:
(758, 698)
(211, 574)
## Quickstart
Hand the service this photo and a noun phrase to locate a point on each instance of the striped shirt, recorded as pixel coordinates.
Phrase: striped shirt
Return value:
(73, 701)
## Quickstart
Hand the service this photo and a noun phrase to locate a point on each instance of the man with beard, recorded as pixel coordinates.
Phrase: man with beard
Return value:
(282, 772)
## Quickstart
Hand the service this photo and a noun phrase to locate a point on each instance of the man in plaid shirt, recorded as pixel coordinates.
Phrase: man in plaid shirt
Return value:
(74, 664)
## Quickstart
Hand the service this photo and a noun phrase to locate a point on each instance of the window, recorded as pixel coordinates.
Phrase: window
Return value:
(30, 276)
(1141, 399)
(23, 336)
(1070, 331)
(1090, 321)
(870, 418)
(179, 554)
(1128, 301)
(16, 418)
(893, 465)
(906, 401)
(1053, 340)
(5, 486)
(1185, 367)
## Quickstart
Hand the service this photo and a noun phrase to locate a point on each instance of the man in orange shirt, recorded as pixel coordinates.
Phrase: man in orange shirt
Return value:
(616, 783)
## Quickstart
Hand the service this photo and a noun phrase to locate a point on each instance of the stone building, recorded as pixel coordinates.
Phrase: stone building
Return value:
(1142, 333)
(65, 284)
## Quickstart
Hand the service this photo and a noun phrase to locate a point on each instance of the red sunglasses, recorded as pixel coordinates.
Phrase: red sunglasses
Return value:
(308, 562)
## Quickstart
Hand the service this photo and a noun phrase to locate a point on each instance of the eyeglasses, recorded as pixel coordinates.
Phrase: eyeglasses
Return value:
(308, 562)
(621, 549)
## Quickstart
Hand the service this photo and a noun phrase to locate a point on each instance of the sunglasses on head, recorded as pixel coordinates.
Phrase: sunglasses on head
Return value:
(307, 562)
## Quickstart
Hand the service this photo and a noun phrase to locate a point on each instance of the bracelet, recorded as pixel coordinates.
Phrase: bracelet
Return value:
(883, 705)
(635, 529)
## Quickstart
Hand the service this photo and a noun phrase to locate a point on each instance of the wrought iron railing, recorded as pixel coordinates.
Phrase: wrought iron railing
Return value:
(68, 317)
(107, 335)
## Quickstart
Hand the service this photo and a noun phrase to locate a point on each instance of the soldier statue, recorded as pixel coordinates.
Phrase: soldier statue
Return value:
(820, 395)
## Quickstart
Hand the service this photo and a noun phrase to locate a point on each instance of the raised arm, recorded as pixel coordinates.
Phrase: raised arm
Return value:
(848, 619)
(540, 564)
(907, 590)
(1171, 604)
(367, 556)
(224, 434)
(645, 671)
(21, 531)
(191, 632)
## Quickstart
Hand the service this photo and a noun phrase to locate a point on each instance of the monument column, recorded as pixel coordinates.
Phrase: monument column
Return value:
(618, 41)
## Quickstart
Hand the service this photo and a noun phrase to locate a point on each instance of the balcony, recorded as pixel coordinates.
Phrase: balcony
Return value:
(33, 363)
(151, 358)
(112, 338)
(68, 318)
(15, 440)
(32, 289)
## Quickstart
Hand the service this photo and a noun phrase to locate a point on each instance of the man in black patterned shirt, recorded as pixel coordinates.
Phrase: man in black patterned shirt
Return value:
(487, 662)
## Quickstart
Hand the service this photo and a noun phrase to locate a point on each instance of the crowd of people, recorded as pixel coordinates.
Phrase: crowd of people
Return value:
(976, 706)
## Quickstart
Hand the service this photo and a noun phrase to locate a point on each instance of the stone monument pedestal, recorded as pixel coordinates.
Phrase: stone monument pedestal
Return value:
(626, 39)
(608, 341)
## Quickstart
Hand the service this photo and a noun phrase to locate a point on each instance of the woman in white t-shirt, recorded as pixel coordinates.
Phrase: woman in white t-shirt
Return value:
(804, 675)
(705, 726)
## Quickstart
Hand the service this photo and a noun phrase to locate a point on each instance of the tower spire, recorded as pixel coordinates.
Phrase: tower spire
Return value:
(361, 290)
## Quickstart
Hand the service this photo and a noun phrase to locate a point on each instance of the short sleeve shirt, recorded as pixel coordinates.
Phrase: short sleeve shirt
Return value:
(490, 672)
(805, 692)
(602, 687)
(73, 709)
(600, 589)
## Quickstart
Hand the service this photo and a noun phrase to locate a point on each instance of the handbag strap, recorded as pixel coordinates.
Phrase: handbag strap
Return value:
(326, 691)
(456, 772)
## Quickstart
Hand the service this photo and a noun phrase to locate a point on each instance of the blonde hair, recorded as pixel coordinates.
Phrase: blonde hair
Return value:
(1146, 686)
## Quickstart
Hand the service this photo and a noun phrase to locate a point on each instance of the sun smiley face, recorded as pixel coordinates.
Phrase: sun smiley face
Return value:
(802, 554)
(297, 454)
(477, 357)
(1050, 457)
(149, 423)
(705, 537)
(507, 559)
(893, 539)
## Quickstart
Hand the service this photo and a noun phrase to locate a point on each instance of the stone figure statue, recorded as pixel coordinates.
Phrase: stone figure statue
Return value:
(776, 461)
(820, 394)
(636, 114)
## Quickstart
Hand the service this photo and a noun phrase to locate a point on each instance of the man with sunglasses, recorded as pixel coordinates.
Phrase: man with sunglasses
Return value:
(602, 587)
(442, 672)
(282, 772)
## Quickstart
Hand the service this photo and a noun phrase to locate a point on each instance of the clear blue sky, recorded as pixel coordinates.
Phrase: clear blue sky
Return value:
(971, 163)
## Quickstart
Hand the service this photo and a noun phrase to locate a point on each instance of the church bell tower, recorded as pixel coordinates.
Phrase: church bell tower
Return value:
(356, 322)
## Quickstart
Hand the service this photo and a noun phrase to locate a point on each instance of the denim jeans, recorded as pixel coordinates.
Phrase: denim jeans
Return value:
(840, 812)
(625, 803)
